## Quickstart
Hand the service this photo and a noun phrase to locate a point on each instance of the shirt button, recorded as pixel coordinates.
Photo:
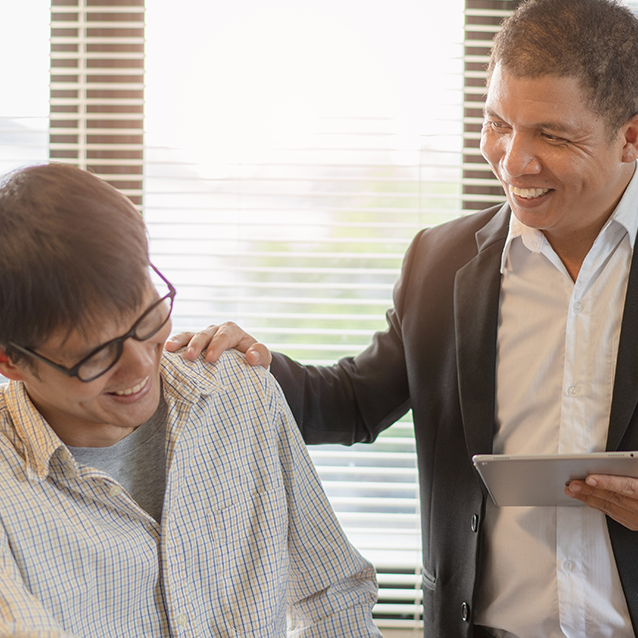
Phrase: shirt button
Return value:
(578, 307)
(115, 490)
(573, 390)
(474, 522)
(182, 620)
(568, 565)
(465, 612)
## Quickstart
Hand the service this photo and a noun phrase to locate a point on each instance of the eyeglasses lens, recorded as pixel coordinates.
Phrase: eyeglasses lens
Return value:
(146, 326)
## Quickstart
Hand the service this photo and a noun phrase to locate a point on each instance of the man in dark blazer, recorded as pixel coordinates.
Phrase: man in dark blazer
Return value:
(561, 134)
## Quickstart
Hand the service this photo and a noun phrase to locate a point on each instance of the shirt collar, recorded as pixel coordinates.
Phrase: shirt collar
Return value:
(625, 214)
(39, 443)
(183, 382)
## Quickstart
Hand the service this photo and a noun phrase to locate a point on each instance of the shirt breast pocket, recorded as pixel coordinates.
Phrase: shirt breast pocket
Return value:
(253, 537)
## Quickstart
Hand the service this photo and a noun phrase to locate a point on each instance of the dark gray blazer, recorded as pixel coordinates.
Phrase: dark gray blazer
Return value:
(438, 357)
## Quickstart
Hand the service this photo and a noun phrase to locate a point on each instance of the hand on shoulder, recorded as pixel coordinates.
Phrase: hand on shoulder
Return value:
(215, 339)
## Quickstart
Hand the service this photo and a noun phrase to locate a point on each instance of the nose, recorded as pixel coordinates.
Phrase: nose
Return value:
(519, 157)
(138, 358)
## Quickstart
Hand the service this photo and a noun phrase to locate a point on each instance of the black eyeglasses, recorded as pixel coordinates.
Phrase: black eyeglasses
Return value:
(104, 357)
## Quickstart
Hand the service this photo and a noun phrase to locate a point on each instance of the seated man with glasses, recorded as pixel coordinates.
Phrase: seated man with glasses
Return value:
(143, 495)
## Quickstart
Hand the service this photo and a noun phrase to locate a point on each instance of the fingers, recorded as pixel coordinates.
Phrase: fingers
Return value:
(259, 355)
(195, 342)
(227, 335)
(615, 496)
(215, 340)
(175, 342)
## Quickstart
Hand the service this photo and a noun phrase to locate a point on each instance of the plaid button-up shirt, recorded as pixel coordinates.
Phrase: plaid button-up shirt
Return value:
(248, 544)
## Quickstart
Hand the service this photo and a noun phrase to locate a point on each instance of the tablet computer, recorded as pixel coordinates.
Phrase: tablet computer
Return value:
(540, 480)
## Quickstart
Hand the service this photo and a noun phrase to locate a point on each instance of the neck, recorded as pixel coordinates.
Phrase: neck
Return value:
(573, 250)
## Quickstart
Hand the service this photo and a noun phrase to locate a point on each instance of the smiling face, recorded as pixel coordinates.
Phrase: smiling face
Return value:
(103, 411)
(553, 155)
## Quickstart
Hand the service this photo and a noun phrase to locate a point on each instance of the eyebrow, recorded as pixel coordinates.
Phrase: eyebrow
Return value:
(551, 126)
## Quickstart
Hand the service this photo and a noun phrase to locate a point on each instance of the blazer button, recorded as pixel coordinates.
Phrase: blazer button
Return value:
(475, 520)
(465, 612)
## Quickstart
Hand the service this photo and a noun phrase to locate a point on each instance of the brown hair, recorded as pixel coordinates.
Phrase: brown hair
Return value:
(595, 41)
(73, 248)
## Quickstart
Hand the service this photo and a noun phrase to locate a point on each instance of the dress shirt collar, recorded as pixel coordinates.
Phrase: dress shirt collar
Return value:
(183, 382)
(625, 214)
(38, 442)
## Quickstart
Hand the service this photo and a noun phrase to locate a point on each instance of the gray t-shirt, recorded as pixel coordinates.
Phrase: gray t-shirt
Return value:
(137, 462)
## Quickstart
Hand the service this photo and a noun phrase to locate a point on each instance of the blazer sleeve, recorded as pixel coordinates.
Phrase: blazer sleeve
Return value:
(358, 397)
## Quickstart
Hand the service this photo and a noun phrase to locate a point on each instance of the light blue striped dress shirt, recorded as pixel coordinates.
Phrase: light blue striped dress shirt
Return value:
(248, 545)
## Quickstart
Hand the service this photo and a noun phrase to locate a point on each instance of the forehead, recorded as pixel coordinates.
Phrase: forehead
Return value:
(553, 100)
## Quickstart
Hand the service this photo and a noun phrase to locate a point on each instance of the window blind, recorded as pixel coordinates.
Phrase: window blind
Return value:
(97, 89)
(285, 176)
(482, 21)
(286, 202)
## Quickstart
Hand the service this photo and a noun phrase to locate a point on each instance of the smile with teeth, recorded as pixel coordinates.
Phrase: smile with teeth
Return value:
(133, 390)
(528, 193)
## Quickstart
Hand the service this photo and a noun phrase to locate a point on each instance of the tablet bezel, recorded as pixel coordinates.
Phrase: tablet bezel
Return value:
(539, 480)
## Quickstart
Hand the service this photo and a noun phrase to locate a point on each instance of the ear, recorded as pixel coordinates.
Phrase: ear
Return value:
(9, 369)
(630, 133)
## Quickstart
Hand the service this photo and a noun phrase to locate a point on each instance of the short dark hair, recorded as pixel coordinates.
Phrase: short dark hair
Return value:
(72, 246)
(594, 41)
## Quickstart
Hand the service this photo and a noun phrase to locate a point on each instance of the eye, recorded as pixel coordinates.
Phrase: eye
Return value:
(102, 357)
(150, 320)
(553, 138)
(498, 127)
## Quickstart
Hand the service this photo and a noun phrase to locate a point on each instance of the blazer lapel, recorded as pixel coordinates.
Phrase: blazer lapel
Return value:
(621, 436)
(625, 395)
(476, 300)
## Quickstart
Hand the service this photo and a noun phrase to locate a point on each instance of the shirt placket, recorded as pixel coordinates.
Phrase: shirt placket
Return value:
(181, 611)
(574, 437)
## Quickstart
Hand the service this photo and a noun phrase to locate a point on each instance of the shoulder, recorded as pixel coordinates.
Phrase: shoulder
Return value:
(231, 374)
(464, 229)
(459, 240)
(230, 365)
(231, 408)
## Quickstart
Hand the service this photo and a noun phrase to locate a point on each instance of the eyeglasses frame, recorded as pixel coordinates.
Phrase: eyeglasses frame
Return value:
(73, 371)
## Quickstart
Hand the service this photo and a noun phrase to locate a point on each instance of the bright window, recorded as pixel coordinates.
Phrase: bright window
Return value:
(292, 151)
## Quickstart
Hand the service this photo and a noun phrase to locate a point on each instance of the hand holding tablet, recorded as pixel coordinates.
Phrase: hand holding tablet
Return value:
(540, 480)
